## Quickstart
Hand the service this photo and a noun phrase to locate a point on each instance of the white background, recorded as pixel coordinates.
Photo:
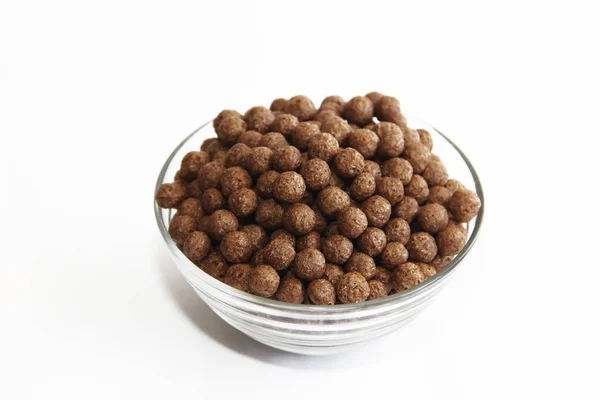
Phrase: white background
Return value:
(93, 97)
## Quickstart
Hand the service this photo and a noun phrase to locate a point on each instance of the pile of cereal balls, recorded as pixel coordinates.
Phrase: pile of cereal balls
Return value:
(337, 204)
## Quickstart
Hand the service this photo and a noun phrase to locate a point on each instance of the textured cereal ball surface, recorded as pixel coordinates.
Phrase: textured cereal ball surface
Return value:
(287, 158)
(311, 240)
(321, 291)
(250, 138)
(278, 104)
(421, 247)
(224, 114)
(362, 187)
(364, 141)
(464, 205)
(233, 179)
(259, 160)
(337, 181)
(301, 107)
(372, 241)
(269, 214)
(237, 155)
(284, 124)
(259, 118)
(299, 219)
(390, 188)
(333, 273)
(439, 262)
(331, 200)
(433, 218)
(427, 269)
(393, 254)
(316, 174)
(377, 290)
(214, 265)
(290, 290)
(243, 202)
(397, 230)
(230, 129)
(337, 249)
(407, 275)
(324, 146)
(207, 143)
(279, 253)
(191, 164)
(334, 99)
(181, 227)
(390, 145)
(439, 195)
(338, 128)
(384, 276)
(193, 189)
(451, 241)
(361, 263)
(377, 210)
(417, 188)
(212, 200)
(388, 109)
(220, 157)
(196, 246)
(435, 174)
(263, 281)
(289, 187)
(349, 163)
(237, 276)
(169, 195)
(214, 147)
(398, 168)
(221, 223)
(256, 235)
(406, 209)
(418, 156)
(273, 140)
(264, 184)
(302, 134)
(372, 168)
(359, 110)
(351, 222)
(283, 234)
(453, 185)
(327, 111)
(374, 96)
(309, 264)
(210, 175)
(320, 220)
(425, 138)
(352, 288)
(236, 247)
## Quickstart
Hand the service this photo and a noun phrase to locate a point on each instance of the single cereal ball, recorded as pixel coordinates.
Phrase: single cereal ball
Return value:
(273, 140)
(417, 188)
(283, 234)
(398, 168)
(332, 199)
(332, 110)
(425, 138)
(411, 136)
(433, 218)
(215, 147)
(191, 206)
(210, 175)
(397, 230)
(230, 129)
(337, 127)
(180, 227)
(235, 178)
(407, 275)
(222, 115)
(289, 187)
(237, 155)
(349, 163)
(418, 156)
(334, 99)
(352, 222)
(290, 290)
(243, 202)
(311, 240)
(212, 200)
(302, 134)
(388, 109)
(259, 118)
(464, 205)
(439, 195)
(237, 276)
(250, 138)
(299, 219)
(377, 210)
(364, 141)
(220, 157)
(376, 290)
(287, 158)
(320, 220)
(362, 187)
(359, 110)
(316, 174)
(406, 209)
(196, 246)
(256, 235)
(324, 146)
(169, 195)
(321, 291)
(372, 168)
(263, 281)
(384, 276)
(453, 185)
(361, 263)
(285, 124)
(279, 253)
(309, 264)
(352, 288)
(391, 144)
(372, 242)
(235, 247)
(451, 240)
(269, 214)
(337, 249)
(390, 188)
(278, 105)
(439, 262)
(203, 223)
(259, 160)
(214, 264)
(264, 184)
(337, 181)
(333, 273)
(221, 223)
(193, 189)
(191, 164)
(427, 269)
(374, 97)
(421, 247)
(393, 255)
(258, 258)
(301, 107)
(435, 174)
(208, 143)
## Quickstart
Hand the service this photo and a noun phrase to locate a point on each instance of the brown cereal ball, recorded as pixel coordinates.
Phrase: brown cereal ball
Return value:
(215, 147)
(458, 225)
(425, 138)
(214, 264)
(258, 258)
(290, 290)
(418, 156)
(259, 118)
(237, 155)
(210, 175)
(263, 281)
(169, 195)
(289, 187)
(390, 188)
(259, 160)
(374, 97)
(222, 115)
(283, 234)
(230, 129)
(316, 174)
(388, 109)
(193, 189)
(421, 247)
(181, 227)
(349, 163)
(398, 168)
(377, 210)
(302, 134)
(256, 235)
(372, 168)
(233, 179)
(372, 241)
(278, 104)
(333, 273)
(236, 247)
(269, 214)
(337, 249)
(393, 255)
(453, 185)
(359, 110)
(427, 269)
(384, 276)
(337, 127)
(324, 146)
(311, 240)
(439, 195)
(264, 184)
(243, 202)
(285, 124)
(212, 200)
(361, 263)
(321, 291)
(320, 220)
(279, 253)
(332, 199)
(334, 99)
(196, 246)
(287, 158)
(301, 107)
(417, 188)
(220, 157)
(411, 136)
(390, 145)
(406, 209)
(299, 219)
(433, 218)
(407, 275)
(203, 223)
(451, 241)
(208, 143)
(309, 264)
(221, 223)
(435, 174)
(362, 187)
(351, 222)
(397, 230)
(439, 262)
(337, 181)
(307, 198)
(464, 205)
(273, 140)
(329, 110)
(376, 290)
(250, 138)
(352, 288)
(191, 164)
(191, 206)
(237, 276)
(364, 141)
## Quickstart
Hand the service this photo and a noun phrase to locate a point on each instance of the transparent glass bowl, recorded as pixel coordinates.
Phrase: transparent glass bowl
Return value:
(312, 329)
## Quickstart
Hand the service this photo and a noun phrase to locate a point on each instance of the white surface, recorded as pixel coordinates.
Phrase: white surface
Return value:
(94, 97)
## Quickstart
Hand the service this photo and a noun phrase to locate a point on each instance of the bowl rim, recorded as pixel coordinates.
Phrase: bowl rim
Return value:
(400, 297)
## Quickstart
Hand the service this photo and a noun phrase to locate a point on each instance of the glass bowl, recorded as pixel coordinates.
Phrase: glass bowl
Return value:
(314, 329)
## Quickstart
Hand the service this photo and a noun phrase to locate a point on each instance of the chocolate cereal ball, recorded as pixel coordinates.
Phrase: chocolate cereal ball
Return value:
(352, 288)
(333, 99)
(425, 138)
(391, 143)
(433, 218)
(351, 222)
(222, 115)
(453, 185)
(372, 241)
(331, 200)
(397, 230)
(283, 234)
(212, 200)
(181, 227)
(398, 168)
(311, 240)
(269, 214)
(337, 249)
(273, 140)
(439, 195)
(290, 290)
(196, 246)
(361, 263)
(191, 206)
(289, 187)
(191, 164)
(279, 253)
(348, 163)
(337, 181)
(230, 129)
(390, 188)
(376, 290)
(418, 156)
(372, 168)
(384, 276)
(209, 175)
(243, 202)
(259, 118)
(233, 179)
(169, 195)
(287, 158)
(362, 187)
(264, 184)
(321, 291)
(299, 219)
(427, 269)
(333, 273)
(284, 124)
(377, 210)
(193, 189)
(309, 264)
(417, 188)
(406, 209)
(359, 110)
(393, 255)
(302, 134)
(374, 97)
(214, 265)
(237, 276)
(324, 146)
(256, 235)
(263, 281)
(435, 174)
(439, 262)
(421, 247)
(464, 205)
(250, 138)
(278, 104)
(316, 174)
(364, 141)
(327, 111)
(407, 275)
(301, 107)
(388, 109)
(208, 143)
(320, 220)
(220, 157)
(337, 127)
(221, 223)
(237, 155)
(451, 240)
(259, 160)
(236, 247)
